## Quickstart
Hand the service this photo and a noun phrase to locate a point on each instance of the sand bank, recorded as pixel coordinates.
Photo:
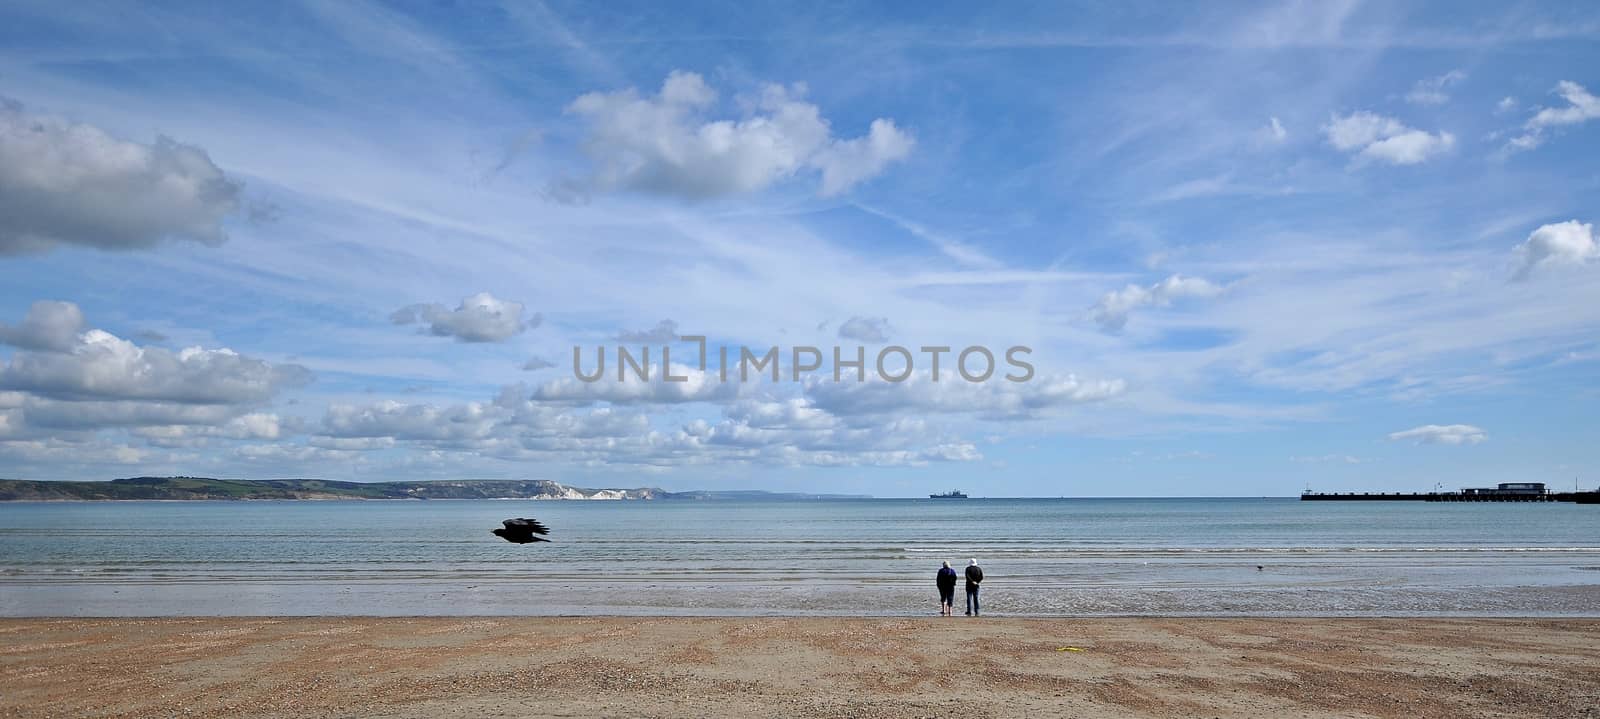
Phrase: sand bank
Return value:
(695, 667)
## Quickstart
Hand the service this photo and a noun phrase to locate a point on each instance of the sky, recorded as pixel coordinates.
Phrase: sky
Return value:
(1252, 248)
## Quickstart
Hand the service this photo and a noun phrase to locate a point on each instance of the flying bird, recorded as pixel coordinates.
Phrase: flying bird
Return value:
(522, 531)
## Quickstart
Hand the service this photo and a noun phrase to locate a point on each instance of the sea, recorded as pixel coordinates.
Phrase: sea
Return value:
(843, 557)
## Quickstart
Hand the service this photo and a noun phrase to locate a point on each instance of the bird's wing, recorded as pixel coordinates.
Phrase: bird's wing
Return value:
(531, 525)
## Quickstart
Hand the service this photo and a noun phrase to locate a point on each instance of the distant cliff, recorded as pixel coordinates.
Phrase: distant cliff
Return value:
(207, 488)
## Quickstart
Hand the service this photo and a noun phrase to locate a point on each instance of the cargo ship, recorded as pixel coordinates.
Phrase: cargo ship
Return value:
(952, 494)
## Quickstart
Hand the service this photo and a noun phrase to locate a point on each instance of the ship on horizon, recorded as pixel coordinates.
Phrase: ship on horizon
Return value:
(952, 494)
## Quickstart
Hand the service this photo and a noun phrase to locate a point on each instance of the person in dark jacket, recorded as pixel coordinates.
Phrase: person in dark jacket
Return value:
(946, 581)
(974, 578)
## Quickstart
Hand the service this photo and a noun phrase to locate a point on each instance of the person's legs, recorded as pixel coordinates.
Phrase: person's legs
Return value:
(975, 601)
(972, 598)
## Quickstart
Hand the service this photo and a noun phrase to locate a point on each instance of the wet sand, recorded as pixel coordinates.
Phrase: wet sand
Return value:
(761, 667)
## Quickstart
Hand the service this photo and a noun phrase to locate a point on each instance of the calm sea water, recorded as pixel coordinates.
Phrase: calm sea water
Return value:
(1041, 556)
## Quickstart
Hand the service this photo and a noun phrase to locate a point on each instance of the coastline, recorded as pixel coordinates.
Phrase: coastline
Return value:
(112, 596)
(902, 667)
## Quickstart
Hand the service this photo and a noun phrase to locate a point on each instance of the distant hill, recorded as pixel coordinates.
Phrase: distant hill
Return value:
(208, 488)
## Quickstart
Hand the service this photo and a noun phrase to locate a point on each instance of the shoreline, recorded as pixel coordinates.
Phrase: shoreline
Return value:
(111, 596)
(758, 666)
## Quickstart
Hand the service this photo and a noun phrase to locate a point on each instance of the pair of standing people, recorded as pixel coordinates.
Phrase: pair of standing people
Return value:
(946, 581)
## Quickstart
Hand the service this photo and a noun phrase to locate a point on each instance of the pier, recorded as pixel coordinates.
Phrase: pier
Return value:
(1505, 492)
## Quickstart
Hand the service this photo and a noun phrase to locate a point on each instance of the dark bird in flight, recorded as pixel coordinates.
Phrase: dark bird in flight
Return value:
(522, 531)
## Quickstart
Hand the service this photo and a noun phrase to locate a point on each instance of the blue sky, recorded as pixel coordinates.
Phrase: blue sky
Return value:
(1255, 247)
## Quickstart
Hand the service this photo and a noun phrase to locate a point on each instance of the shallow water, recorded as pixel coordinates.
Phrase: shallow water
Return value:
(1041, 556)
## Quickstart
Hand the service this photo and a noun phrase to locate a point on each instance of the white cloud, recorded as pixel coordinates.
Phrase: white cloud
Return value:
(1112, 311)
(1273, 133)
(72, 183)
(102, 366)
(698, 386)
(400, 421)
(256, 425)
(1561, 243)
(1374, 137)
(846, 163)
(1506, 104)
(49, 326)
(667, 144)
(1327, 459)
(537, 363)
(292, 453)
(43, 412)
(1441, 434)
(63, 451)
(1434, 90)
(796, 432)
(479, 318)
(98, 380)
(997, 398)
(1581, 107)
(514, 428)
(865, 329)
(664, 332)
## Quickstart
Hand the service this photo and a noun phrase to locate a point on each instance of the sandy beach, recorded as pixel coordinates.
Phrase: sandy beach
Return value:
(695, 667)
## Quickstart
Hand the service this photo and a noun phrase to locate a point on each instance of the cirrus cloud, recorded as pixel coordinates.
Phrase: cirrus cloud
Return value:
(1453, 434)
(1581, 107)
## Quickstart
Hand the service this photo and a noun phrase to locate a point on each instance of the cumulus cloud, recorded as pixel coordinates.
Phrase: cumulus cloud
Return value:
(102, 366)
(56, 450)
(291, 453)
(865, 329)
(1581, 107)
(664, 332)
(1112, 311)
(49, 326)
(1384, 139)
(996, 399)
(797, 432)
(1561, 243)
(401, 421)
(698, 386)
(669, 144)
(479, 318)
(1441, 434)
(96, 380)
(62, 182)
(254, 426)
(515, 427)
(43, 412)
(1434, 90)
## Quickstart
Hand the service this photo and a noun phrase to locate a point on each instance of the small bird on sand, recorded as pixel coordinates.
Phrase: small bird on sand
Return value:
(521, 531)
